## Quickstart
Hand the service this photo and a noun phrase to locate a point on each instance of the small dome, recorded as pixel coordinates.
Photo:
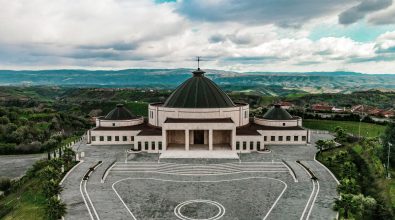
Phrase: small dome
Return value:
(198, 92)
(277, 113)
(120, 113)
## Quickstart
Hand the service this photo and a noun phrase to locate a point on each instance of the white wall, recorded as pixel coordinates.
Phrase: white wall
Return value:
(113, 133)
(248, 139)
(284, 134)
(118, 123)
(157, 114)
(149, 139)
(278, 123)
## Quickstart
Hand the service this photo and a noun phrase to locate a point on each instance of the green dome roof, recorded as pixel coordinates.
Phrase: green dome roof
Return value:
(198, 92)
(120, 113)
(277, 113)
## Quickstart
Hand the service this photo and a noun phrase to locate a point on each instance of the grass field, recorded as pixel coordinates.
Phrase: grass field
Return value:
(367, 129)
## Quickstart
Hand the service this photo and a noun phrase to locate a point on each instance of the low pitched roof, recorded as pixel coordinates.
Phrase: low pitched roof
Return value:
(277, 113)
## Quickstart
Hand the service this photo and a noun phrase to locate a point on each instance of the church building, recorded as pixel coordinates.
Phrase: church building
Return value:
(198, 115)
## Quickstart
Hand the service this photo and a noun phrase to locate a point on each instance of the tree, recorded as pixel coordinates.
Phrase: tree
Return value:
(364, 205)
(345, 203)
(341, 134)
(49, 145)
(55, 209)
(349, 170)
(4, 120)
(348, 185)
(320, 145)
(49, 173)
(68, 155)
(389, 137)
(51, 188)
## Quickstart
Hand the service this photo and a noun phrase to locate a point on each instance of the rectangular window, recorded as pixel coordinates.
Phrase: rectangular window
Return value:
(131, 138)
(93, 138)
(113, 124)
(151, 114)
(146, 145)
(116, 138)
(153, 145)
(251, 145)
(280, 138)
(288, 138)
(139, 145)
(101, 138)
(296, 138)
(160, 145)
(272, 138)
(258, 145)
(303, 138)
(244, 145)
(124, 138)
(237, 145)
(264, 138)
(245, 114)
(108, 138)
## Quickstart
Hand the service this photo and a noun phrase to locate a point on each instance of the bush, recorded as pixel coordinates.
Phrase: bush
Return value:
(34, 147)
(7, 148)
(5, 183)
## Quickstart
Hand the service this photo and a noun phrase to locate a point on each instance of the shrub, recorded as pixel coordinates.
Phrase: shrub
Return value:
(7, 148)
(55, 209)
(5, 183)
(34, 147)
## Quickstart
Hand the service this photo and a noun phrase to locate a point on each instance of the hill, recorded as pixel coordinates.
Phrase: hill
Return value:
(263, 83)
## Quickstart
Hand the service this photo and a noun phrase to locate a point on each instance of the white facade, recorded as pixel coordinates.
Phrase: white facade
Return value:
(100, 122)
(157, 113)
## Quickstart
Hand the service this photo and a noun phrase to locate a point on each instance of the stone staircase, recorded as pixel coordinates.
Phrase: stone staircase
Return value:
(198, 169)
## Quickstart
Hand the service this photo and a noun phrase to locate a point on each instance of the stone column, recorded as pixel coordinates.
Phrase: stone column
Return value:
(187, 139)
(233, 143)
(210, 139)
(164, 139)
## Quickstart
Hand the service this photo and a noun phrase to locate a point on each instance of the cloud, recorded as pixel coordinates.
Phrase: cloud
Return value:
(284, 13)
(271, 35)
(383, 17)
(359, 11)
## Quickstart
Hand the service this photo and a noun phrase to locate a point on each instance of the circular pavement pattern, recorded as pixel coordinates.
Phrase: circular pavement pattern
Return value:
(199, 205)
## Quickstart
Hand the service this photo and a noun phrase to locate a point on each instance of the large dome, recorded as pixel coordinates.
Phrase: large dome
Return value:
(198, 92)
(277, 113)
(120, 113)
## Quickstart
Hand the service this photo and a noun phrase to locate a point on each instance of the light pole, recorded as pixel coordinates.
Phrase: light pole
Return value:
(388, 161)
(360, 120)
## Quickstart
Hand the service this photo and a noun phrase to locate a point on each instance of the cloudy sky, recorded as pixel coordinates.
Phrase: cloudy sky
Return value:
(249, 35)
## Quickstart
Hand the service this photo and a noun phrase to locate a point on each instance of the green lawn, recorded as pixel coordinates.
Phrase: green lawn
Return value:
(367, 129)
(26, 203)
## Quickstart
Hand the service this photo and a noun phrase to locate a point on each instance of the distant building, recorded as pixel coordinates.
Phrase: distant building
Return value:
(198, 115)
(321, 107)
(286, 105)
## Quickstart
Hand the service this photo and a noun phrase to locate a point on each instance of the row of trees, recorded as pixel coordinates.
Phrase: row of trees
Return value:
(31, 130)
(46, 174)
(357, 166)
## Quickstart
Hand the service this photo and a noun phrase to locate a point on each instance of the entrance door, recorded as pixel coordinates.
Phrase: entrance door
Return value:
(198, 137)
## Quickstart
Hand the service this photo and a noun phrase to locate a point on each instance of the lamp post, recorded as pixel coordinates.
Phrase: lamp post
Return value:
(360, 120)
(388, 161)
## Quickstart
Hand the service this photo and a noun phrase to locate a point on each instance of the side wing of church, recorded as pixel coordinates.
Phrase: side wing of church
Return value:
(198, 115)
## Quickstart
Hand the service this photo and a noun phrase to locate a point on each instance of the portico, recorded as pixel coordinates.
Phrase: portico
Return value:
(199, 134)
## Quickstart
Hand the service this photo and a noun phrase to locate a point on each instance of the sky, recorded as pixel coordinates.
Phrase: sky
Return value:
(234, 35)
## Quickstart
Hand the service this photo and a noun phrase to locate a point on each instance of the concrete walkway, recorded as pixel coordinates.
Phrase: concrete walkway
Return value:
(108, 205)
(217, 154)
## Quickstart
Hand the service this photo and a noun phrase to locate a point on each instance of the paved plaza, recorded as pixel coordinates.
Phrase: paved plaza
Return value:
(15, 166)
(143, 186)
